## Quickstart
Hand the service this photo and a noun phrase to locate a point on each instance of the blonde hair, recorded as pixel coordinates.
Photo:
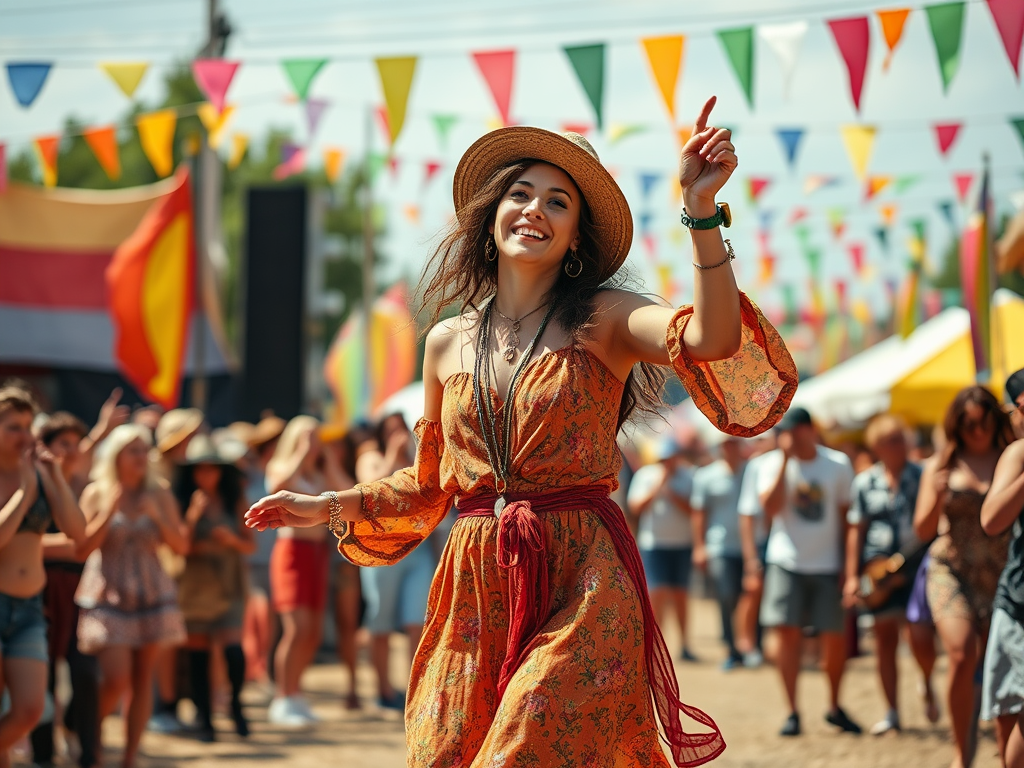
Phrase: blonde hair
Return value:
(289, 440)
(882, 425)
(104, 468)
(16, 399)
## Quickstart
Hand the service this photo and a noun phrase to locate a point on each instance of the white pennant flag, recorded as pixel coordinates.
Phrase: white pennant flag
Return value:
(785, 40)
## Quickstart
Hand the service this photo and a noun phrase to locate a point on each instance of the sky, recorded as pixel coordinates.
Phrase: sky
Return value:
(902, 103)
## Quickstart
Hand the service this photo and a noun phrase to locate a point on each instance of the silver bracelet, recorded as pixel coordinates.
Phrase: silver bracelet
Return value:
(334, 521)
(730, 255)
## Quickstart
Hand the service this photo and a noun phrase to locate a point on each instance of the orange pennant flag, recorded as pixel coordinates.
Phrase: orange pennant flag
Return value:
(46, 151)
(103, 143)
(876, 184)
(156, 131)
(665, 56)
(215, 122)
(150, 282)
(892, 30)
(888, 213)
(412, 213)
(239, 143)
(334, 157)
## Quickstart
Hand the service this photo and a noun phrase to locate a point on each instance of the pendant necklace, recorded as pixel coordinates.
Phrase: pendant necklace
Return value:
(513, 340)
(498, 451)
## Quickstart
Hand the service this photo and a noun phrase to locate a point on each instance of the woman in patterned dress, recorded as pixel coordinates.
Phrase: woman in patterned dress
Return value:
(540, 646)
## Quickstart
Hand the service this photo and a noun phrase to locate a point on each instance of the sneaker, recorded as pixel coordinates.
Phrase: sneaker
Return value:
(842, 721)
(164, 722)
(791, 726)
(289, 712)
(753, 660)
(303, 706)
(731, 663)
(889, 723)
(395, 701)
(686, 655)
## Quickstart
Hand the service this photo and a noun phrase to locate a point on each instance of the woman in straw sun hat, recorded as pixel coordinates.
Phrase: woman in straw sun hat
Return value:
(539, 644)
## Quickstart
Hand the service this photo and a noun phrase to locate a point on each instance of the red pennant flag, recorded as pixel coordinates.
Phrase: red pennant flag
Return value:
(1009, 18)
(430, 169)
(962, 182)
(385, 125)
(498, 68)
(583, 129)
(798, 214)
(945, 135)
(756, 185)
(103, 143)
(841, 296)
(857, 257)
(393, 166)
(853, 37)
(213, 76)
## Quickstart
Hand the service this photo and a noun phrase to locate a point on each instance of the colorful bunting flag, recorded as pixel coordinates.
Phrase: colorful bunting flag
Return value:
(393, 165)
(946, 22)
(617, 131)
(443, 124)
(766, 273)
(647, 182)
(882, 234)
(875, 185)
(644, 220)
(785, 40)
(859, 141)
(412, 213)
(789, 300)
(946, 208)
(739, 47)
(315, 109)
(755, 186)
(962, 182)
(892, 30)
(215, 122)
(1009, 18)
(945, 135)
(837, 221)
(375, 162)
(239, 143)
(126, 74)
(498, 70)
(27, 79)
(1018, 123)
(156, 132)
(790, 138)
(888, 213)
(814, 182)
(903, 183)
(665, 57)
(853, 38)
(293, 161)
(583, 129)
(588, 63)
(103, 143)
(977, 276)
(797, 214)
(214, 76)
(47, 148)
(430, 169)
(334, 158)
(301, 73)
(856, 251)
(396, 76)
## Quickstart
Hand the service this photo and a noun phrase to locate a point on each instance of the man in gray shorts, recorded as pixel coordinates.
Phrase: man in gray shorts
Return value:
(804, 489)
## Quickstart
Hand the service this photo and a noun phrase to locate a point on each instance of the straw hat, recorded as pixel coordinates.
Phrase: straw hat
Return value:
(573, 154)
(202, 450)
(176, 426)
(269, 428)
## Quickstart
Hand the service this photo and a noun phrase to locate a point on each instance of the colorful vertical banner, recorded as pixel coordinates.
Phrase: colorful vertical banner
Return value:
(977, 276)
(853, 38)
(27, 79)
(156, 132)
(790, 138)
(47, 148)
(396, 76)
(859, 141)
(126, 74)
(785, 41)
(945, 135)
(739, 48)
(301, 73)
(1009, 18)
(334, 157)
(946, 22)
(214, 76)
(892, 22)
(665, 58)
(498, 70)
(103, 143)
(588, 63)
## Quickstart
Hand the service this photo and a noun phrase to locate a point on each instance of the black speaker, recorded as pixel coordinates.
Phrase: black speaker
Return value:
(274, 302)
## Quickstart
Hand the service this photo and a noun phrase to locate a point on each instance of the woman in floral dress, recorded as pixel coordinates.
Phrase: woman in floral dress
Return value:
(539, 646)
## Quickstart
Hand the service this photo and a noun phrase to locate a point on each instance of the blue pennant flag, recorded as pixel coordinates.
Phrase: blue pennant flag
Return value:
(645, 222)
(946, 208)
(790, 138)
(27, 80)
(647, 182)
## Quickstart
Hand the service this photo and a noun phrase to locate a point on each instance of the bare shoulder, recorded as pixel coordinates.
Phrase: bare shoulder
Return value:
(619, 300)
(1014, 454)
(90, 497)
(449, 343)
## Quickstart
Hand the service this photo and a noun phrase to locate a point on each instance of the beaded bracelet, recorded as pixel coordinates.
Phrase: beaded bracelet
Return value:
(730, 255)
(334, 521)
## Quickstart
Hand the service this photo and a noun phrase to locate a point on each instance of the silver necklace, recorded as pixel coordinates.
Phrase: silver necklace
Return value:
(513, 340)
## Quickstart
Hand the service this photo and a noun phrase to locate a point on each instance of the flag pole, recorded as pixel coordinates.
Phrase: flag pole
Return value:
(368, 281)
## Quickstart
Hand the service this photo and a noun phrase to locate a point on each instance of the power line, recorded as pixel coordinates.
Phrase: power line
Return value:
(82, 5)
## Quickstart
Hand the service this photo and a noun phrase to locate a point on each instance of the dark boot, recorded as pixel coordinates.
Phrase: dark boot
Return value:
(199, 680)
(235, 659)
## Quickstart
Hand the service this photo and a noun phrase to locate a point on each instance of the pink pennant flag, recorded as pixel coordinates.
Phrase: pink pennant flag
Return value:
(430, 169)
(315, 109)
(945, 135)
(857, 257)
(1009, 18)
(393, 166)
(583, 129)
(798, 214)
(498, 68)
(3, 167)
(293, 161)
(962, 182)
(853, 37)
(756, 186)
(213, 76)
(385, 124)
(651, 245)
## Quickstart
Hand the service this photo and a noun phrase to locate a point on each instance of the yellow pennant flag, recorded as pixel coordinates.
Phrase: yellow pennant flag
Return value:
(239, 143)
(861, 311)
(334, 157)
(127, 74)
(47, 148)
(396, 81)
(888, 213)
(103, 143)
(215, 122)
(665, 55)
(665, 281)
(156, 131)
(859, 141)
(876, 184)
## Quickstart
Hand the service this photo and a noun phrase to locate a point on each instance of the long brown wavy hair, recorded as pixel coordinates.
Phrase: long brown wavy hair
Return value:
(954, 420)
(458, 273)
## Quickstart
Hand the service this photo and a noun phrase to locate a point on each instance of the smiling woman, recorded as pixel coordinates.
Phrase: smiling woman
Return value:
(540, 645)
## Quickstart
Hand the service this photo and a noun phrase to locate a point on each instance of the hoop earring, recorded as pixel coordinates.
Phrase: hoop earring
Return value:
(574, 267)
(490, 250)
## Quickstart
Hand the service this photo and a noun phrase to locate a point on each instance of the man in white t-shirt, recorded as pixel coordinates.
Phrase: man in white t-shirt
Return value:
(659, 498)
(804, 489)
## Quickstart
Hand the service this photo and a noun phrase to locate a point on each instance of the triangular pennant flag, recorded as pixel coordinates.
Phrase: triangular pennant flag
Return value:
(797, 214)
(766, 216)
(684, 134)
(583, 129)
(126, 74)
(650, 242)
(665, 57)
(375, 163)
(903, 183)
(215, 122)
(156, 132)
(103, 143)
(946, 22)
(301, 72)
(239, 143)
(962, 182)
(412, 213)
(837, 221)
(888, 213)
(293, 161)
(647, 182)
(3, 167)
(383, 122)
(814, 182)
(27, 80)
(859, 141)
(945, 135)
(853, 38)
(498, 70)
(393, 165)
(785, 40)
(334, 157)
(882, 233)
(443, 124)
(396, 81)
(789, 300)
(947, 210)
(1018, 124)
(739, 47)
(1009, 18)
(856, 251)
(644, 220)
(875, 185)
(617, 131)
(315, 109)
(46, 148)
(767, 268)
(430, 169)
(214, 76)
(790, 138)
(892, 30)
(588, 63)
(755, 186)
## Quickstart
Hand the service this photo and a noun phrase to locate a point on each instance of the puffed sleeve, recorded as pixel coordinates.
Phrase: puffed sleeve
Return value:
(743, 395)
(400, 511)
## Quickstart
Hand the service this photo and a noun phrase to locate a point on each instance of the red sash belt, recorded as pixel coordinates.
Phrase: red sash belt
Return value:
(522, 550)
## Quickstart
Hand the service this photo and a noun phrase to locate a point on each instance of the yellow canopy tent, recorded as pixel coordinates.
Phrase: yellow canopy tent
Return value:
(922, 395)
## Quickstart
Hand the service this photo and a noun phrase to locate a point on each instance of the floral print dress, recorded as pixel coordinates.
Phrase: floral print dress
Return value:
(581, 695)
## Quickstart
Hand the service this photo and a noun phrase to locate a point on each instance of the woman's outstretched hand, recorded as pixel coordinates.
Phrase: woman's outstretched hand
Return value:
(286, 508)
(708, 159)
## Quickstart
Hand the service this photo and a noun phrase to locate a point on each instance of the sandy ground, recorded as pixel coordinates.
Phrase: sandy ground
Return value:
(748, 705)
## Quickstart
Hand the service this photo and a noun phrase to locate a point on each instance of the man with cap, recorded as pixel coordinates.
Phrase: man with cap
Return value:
(1003, 677)
(804, 489)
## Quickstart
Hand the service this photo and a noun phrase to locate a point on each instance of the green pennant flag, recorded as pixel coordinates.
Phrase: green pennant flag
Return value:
(903, 183)
(813, 256)
(588, 61)
(918, 225)
(301, 73)
(1018, 123)
(443, 124)
(947, 23)
(375, 164)
(802, 234)
(789, 299)
(739, 46)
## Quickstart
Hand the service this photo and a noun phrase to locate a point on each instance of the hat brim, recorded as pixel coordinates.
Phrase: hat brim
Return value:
(608, 206)
(173, 440)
